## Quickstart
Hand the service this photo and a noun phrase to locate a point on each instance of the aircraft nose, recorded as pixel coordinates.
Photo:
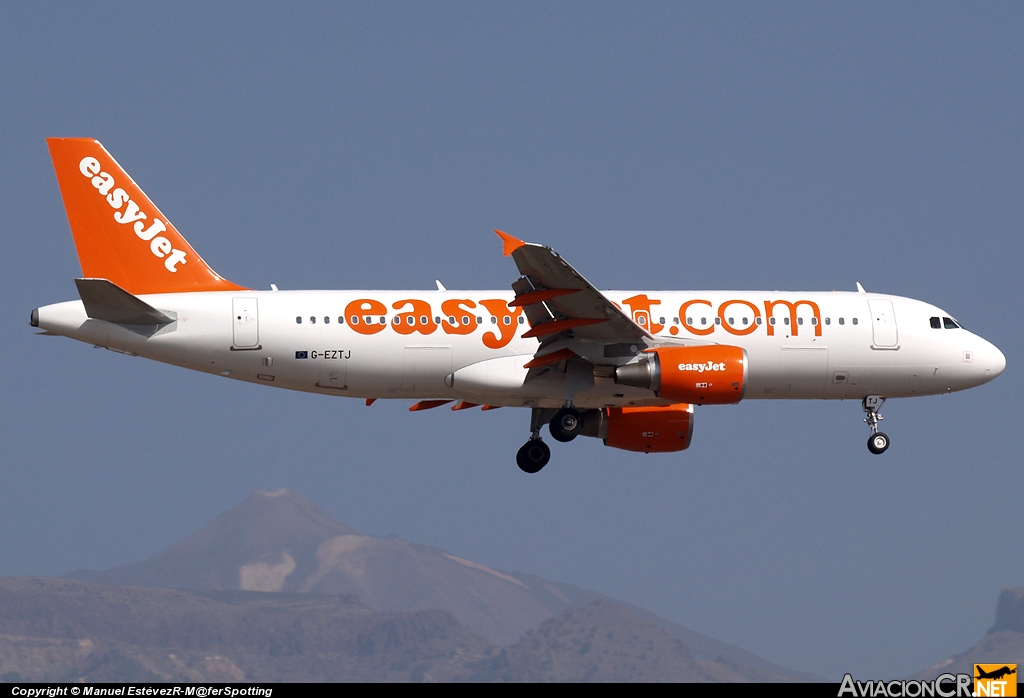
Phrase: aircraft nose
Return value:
(993, 361)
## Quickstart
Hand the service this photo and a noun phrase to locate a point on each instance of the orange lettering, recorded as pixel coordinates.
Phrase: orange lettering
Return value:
(640, 308)
(734, 330)
(364, 315)
(769, 306)
(508, 321)
(419, 319)
(458, 319)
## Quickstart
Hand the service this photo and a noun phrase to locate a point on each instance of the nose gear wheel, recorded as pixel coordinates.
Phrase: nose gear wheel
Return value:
(879, 442)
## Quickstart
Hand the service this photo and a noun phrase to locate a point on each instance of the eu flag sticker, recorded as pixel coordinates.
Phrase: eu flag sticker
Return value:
(302, 355)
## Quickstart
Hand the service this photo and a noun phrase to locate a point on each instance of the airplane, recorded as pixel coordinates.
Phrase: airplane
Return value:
(995, 674)
(628, 367)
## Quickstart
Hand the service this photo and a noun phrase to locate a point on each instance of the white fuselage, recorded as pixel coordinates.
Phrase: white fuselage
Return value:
(800, 345)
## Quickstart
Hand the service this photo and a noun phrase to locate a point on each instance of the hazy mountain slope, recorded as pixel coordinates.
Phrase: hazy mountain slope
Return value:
(282, 542)
(255, 531)
(1003, 644)
(66, 630)
(62, 629)
(600, 642)
(702, 646)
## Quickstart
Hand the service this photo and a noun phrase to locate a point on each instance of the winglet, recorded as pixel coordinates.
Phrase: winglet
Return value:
(511, 244)
(860, 289)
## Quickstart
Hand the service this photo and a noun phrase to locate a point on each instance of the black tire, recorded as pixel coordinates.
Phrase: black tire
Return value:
(533, 456)
(878, 443)
(565, 425)
(558, 434)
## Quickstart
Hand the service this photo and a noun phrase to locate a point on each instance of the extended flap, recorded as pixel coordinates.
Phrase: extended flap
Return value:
(105, 300)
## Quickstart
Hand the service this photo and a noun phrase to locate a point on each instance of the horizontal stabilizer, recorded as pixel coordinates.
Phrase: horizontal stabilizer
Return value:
(105, 300)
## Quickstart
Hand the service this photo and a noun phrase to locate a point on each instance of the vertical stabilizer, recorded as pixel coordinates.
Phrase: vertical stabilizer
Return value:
(119, 234)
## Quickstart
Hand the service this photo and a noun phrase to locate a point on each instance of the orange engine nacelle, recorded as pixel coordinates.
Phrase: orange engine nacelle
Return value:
(714, 374)
(649, 429)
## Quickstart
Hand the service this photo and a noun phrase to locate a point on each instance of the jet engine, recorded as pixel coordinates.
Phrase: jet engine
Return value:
(657, 429)
(650, 429)
(714, 374)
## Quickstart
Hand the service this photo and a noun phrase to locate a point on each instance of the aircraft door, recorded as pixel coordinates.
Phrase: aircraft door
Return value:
(804, 371)
(425, 369)
(246, 323)
(883, 324)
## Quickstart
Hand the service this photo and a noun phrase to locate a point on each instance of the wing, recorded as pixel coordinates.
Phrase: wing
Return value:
(567, 313)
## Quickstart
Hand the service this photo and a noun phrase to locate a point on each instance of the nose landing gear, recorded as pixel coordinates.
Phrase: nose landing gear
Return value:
(879, 442)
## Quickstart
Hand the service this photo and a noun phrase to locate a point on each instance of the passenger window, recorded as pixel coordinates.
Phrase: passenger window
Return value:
(703, 321)
(521, 320)
(746, 321)
(675, 321)
(354, 320)
(507, 320)
(814, 321)
(298, 320)
(327, 320)
(949, 323)
(689, 321)
(641, 321)
(771, 321)
(661, 321)
(828, 321)
(936, 323)
(842, 321)
(423, 319)
(437, 319)
(718, 321)
(494, 320)
(312, 320)
(854, 321)
(451, 320)
(397, 320)
(383, 320)
(732, 321)
(410, 321)
(341, 319)
(799, 321)
(465, 319)
(757, 321)
(479, 320)
(785, 321)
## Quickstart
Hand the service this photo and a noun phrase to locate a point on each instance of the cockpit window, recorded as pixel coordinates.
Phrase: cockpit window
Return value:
(949, 323)
(936, 323)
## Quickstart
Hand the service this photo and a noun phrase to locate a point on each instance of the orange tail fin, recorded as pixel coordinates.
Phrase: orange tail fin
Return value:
(119, 234)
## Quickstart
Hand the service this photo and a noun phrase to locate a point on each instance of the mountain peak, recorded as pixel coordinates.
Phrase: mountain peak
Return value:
(279, 541)
(266, 536)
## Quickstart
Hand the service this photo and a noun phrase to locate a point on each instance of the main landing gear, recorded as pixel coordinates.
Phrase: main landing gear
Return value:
(565, 425)
(535, 454)
(879, 442)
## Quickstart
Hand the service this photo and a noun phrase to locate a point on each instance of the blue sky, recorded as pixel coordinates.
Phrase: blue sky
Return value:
(721, 145)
